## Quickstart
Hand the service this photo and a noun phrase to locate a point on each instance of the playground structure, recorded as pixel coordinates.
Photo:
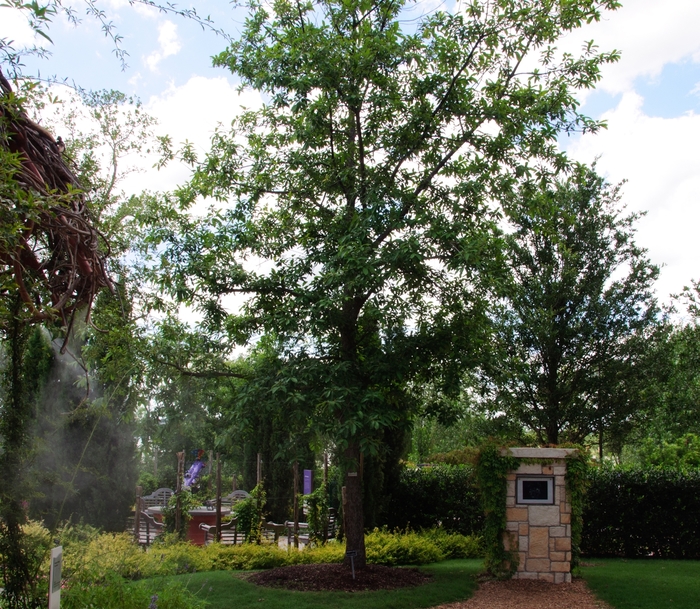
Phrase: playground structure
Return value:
(205, 522)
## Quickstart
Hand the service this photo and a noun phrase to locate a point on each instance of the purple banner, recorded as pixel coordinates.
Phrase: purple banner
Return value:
(308, 481)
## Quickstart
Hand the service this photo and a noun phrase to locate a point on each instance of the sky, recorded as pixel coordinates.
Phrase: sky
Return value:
(650, 100)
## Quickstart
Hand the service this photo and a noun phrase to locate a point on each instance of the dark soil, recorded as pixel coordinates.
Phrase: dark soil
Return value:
(334, 577)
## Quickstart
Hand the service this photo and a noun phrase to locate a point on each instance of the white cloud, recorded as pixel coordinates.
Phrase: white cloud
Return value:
(169, 44)
(658, 157)
(14, 26)
(649, 34)
(191, 112)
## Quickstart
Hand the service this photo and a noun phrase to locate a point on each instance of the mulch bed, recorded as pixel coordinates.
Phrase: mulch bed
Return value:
(338, 578)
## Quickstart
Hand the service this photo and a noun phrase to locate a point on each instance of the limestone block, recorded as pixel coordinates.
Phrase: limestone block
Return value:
(510, 488)
(568, 556)
(548, 470)
(521, 562)
(560, 470)
(524, 529)
(560, 481)
(510, 501)
(512, 527)
(546, 577)
(558, 531)
(543, 515)
(510, 477)
(560, 566)
(530, 468)
(558, 556)
(565, 507)
(562, 544)
(538, 453)
(539, 542)
(559, 578)
(525, 575)
(538, 565)
(523, 543)
(515, 514)
(565, 518)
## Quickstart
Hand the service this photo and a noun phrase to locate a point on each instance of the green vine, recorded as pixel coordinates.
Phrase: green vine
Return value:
(577, 481)
(187, 502)
(492, 469)
(250, 513)
(317, 514)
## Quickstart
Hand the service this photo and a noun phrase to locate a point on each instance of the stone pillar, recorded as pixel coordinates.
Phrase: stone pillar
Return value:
(538, 514)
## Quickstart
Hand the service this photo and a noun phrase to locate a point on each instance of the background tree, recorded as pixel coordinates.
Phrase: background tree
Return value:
(357, 194)
(672, 395)
(571, 331)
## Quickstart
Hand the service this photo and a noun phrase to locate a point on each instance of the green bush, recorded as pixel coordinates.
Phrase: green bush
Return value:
(116, 593)
(454, 545)
(636, 512)
(96, 559)
(390, 549)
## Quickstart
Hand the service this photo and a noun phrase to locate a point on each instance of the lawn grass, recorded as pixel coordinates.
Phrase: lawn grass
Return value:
(452, 580)
(645, 583)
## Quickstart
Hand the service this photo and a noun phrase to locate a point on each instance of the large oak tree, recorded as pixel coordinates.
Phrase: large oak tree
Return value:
(354, 205)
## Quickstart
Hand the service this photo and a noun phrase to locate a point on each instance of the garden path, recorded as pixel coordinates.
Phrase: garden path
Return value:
(525, 594)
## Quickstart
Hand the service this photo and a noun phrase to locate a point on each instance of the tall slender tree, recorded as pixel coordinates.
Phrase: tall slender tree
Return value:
(572, 330)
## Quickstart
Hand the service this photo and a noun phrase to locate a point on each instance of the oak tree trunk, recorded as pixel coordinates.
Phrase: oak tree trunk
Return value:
(352, 508)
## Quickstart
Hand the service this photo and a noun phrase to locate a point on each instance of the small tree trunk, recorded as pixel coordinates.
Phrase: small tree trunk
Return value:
(296, 504)
(218, 497)
(353, 514)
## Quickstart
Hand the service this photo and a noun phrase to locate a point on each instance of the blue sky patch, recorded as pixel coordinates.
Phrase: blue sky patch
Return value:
(670, 94)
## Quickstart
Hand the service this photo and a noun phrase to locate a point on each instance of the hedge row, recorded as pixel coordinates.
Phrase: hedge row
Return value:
(642, 513)
(439, 496)
(628, 513)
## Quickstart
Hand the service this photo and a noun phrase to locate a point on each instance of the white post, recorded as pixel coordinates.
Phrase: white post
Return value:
(55, 578)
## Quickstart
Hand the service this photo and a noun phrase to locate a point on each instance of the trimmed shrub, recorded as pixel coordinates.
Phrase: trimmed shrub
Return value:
(438, 496)
(636, 512)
